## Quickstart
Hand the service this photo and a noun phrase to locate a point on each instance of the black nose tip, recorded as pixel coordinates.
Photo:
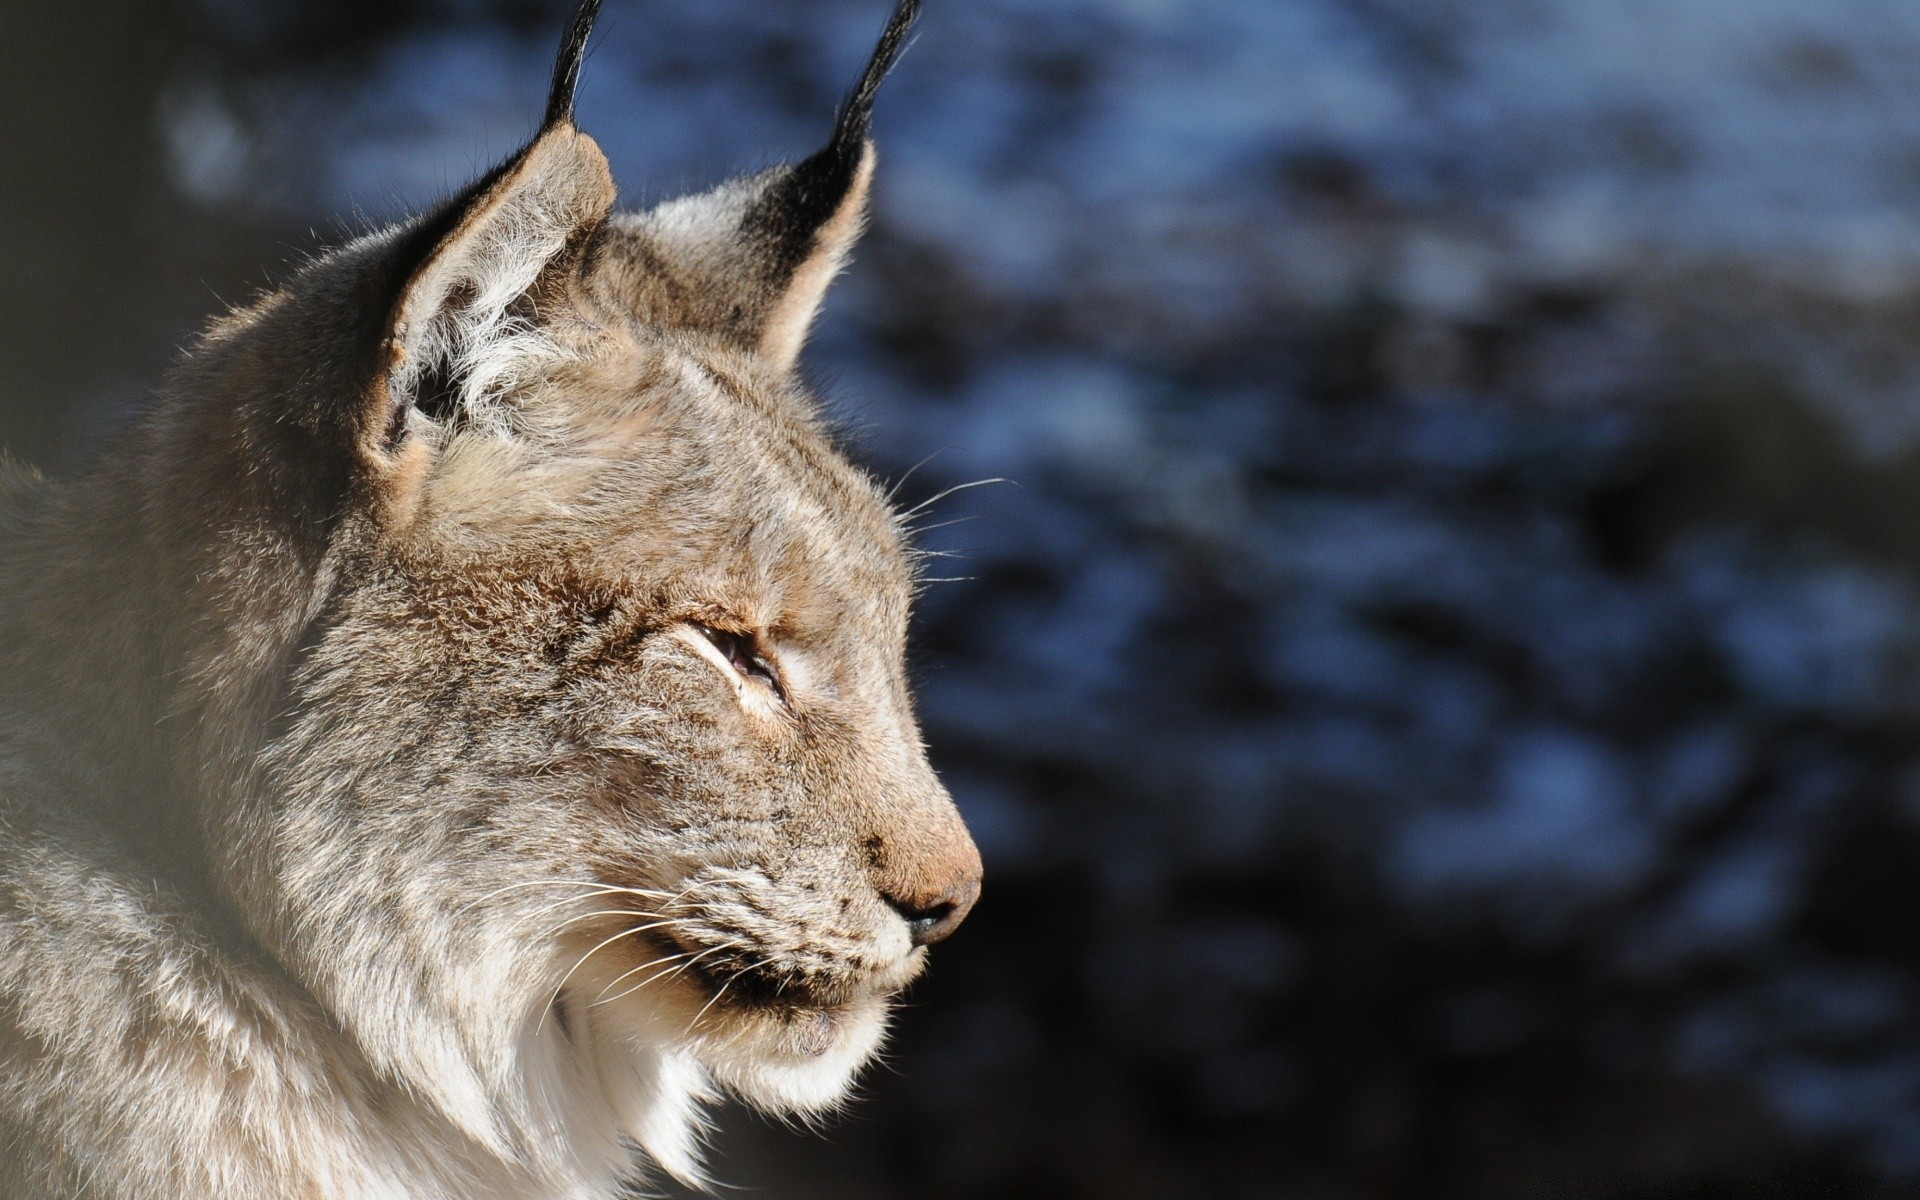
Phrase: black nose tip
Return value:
(934, 920)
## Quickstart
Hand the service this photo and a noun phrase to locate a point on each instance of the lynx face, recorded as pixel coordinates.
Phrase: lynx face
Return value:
(654, 725)
(582, 767)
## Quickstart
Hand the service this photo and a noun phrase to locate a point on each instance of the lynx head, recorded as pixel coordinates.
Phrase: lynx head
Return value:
(580, 772)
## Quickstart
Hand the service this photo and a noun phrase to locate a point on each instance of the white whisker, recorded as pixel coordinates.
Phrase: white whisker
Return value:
(608, 891)
(902, 481)
(722, 990)
(667, 974)
(606, 912)
(919, 530)
(657, 962)
(533, 883)
(582, 960)
(955, 490)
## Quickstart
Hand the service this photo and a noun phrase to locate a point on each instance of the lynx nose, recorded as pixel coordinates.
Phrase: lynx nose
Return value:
(930, 921)
(923, 862)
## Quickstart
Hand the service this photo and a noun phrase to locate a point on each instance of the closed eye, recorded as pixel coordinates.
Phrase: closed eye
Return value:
(742, 653)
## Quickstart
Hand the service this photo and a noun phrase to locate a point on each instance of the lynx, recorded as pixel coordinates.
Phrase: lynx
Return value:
(460, 732)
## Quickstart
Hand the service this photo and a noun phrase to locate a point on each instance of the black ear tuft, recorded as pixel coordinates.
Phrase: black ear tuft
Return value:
(856, 115)
(751, 261)
(794, 211)
(566, 70)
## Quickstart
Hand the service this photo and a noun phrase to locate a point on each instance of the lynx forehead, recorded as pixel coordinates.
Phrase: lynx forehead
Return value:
(462, 730)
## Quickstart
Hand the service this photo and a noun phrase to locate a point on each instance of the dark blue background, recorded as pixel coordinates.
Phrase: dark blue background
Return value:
(1438, 699)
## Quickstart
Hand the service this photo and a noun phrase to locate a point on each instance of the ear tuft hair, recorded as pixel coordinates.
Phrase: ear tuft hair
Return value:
(751, 261)
(856, 115)
(825, 182)
(566, 69)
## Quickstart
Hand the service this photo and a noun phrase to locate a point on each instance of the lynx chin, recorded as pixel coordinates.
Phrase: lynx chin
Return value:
(461, 730)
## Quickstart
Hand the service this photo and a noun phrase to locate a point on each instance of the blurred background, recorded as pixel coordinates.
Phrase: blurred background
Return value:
(1439, 700)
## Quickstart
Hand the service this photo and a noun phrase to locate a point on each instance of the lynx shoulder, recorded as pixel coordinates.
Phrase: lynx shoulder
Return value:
(461, 730)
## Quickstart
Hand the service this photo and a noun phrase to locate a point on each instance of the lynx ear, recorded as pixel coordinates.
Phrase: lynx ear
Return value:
(751, 260)
(469, 299)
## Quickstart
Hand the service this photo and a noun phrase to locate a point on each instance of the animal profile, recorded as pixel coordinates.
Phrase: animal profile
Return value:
(461, 731)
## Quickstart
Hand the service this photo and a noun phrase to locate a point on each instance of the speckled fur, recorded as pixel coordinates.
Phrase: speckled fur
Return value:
(367, 754)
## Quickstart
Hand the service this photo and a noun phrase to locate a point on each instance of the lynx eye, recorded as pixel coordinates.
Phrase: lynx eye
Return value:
(742, 653)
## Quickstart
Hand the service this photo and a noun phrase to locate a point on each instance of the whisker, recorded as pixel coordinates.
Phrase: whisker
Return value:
(955, 490)
(752, 966)
(667, 974)
(547, 908)
(690, 963)
(902, 481)
(715, 1000)
(649, 913)
(582, 961)
(532, 883)
(918, 530)
(606, 912)
(657, 962)
(645, 914)
(523, 884)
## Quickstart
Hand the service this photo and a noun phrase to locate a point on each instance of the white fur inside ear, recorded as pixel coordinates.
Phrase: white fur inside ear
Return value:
(459, 313)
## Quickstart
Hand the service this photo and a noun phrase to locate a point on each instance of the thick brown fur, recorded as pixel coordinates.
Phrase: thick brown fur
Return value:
(461, 729)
